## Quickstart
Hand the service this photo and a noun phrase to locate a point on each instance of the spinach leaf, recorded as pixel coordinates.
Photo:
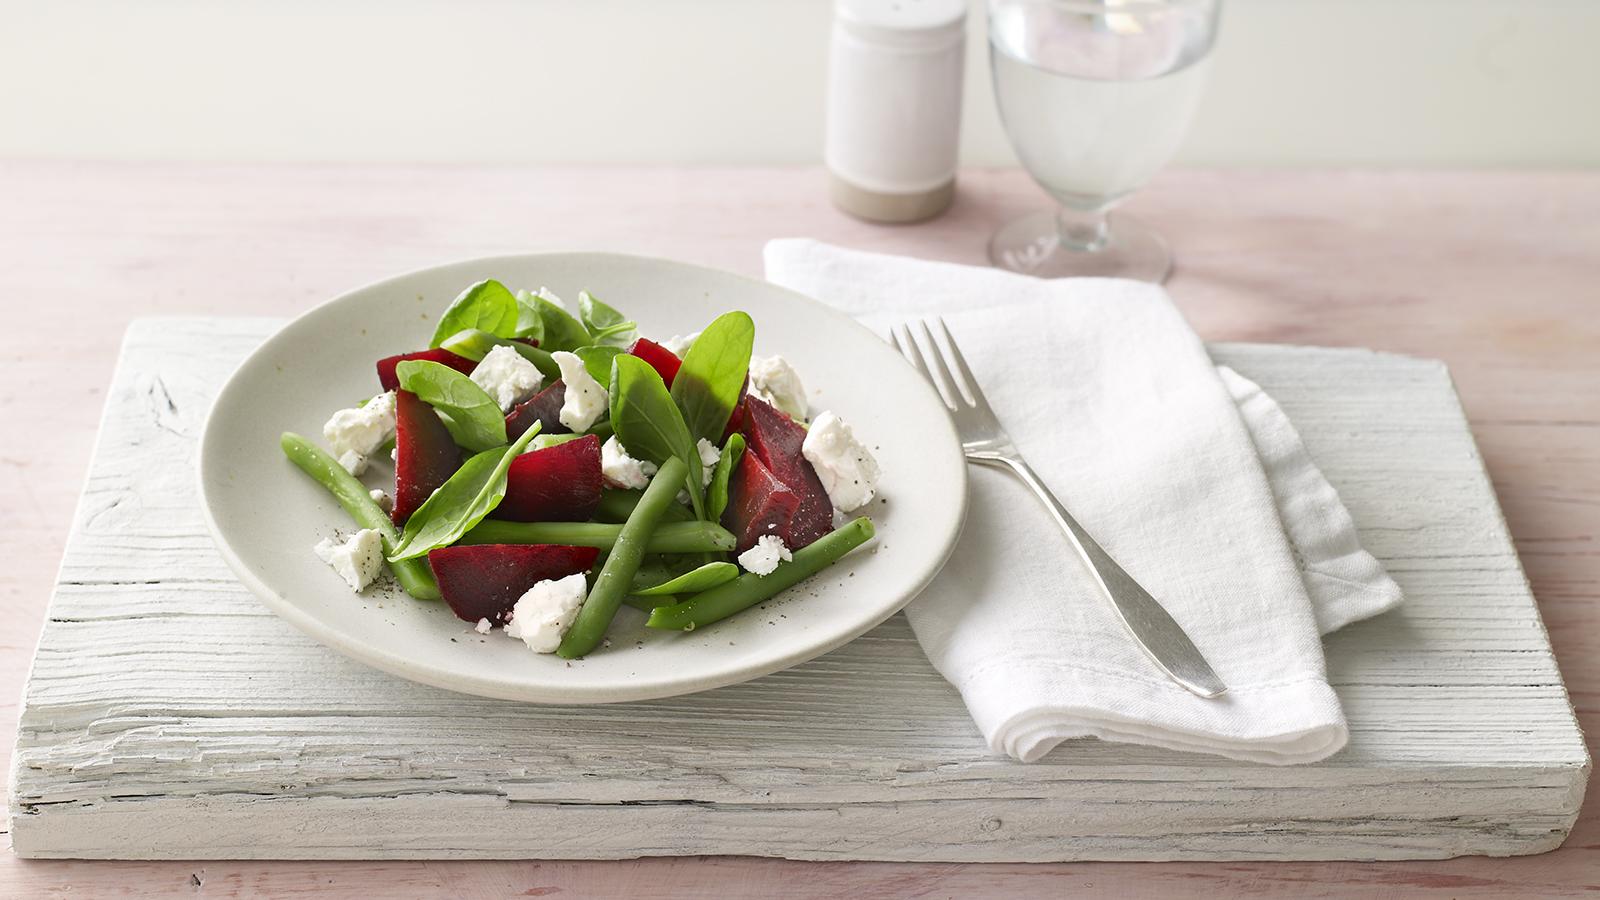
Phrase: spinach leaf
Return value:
(561, 330)
(597, 316)
(598, 361)
(472, 416)
(704, 578)
(649, 424)
(653, 570)
(707, 385)
(462, 501)
(529, 323)
(475, 344)
(546, 441)
(717, 492)
(486, 305)
(606, 326)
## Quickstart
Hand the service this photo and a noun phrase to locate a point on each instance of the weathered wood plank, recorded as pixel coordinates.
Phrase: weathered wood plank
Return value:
(169, 714)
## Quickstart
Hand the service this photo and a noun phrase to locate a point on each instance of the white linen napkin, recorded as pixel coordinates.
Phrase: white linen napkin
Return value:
(1190, 476)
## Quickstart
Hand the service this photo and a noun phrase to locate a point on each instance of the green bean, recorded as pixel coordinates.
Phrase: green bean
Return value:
(413, 574)
(749, 589)
(595, 616)
(617, 505)
(674, 537)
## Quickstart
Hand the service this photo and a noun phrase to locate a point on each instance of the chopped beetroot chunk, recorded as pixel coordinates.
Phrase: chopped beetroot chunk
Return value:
(425, 455)
(664, 361)
(544, 408)
(758, 504)
(484, 581)
(390, 381)
(556, 484)
(775, 440)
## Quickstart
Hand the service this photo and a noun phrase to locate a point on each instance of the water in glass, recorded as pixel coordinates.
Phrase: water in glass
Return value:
(1095, 97)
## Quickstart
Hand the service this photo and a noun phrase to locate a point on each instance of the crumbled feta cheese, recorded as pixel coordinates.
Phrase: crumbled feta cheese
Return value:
(357, 433)
(679, 344)
(484, 626)
(586, 400)
(709, 454)
(619, 470)
(507, 377)
(849, 473)
(358, 560)
(383, 500)
(775, 381)
(353, 462)
(763, 558)
(545, 612)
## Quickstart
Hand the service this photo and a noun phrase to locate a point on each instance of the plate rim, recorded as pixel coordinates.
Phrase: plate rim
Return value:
(411, 669)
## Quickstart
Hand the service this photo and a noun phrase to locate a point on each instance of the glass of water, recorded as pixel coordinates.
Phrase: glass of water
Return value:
(1096, 96)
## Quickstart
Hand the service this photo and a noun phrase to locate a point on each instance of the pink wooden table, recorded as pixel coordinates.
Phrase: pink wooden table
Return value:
(1498, 274)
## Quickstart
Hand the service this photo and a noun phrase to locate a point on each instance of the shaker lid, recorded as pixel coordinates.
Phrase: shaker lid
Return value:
(903, 21)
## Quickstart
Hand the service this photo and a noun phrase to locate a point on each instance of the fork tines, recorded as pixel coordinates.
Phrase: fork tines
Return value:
(935, 358)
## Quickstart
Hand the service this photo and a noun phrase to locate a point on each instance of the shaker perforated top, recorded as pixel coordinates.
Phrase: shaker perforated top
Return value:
(907, 22)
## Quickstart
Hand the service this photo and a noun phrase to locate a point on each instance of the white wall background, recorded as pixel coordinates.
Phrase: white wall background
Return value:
(1456, 82)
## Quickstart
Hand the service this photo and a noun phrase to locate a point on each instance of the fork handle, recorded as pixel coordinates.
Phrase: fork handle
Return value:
(1153, 629)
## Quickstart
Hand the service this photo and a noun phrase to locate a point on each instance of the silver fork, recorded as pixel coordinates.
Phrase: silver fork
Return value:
(986, 443)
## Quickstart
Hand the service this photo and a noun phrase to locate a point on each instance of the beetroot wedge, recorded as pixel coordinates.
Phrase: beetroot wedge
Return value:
(758, 504)
(556, 484)
(543, 407)
(484, 581)
(390, 380)
(664, 361)
(775, 439)
(424, 454)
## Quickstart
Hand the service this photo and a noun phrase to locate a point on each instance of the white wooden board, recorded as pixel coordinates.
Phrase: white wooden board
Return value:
(169, 714)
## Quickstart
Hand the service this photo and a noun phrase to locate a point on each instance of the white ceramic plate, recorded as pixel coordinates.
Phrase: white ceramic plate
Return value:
(265, 514)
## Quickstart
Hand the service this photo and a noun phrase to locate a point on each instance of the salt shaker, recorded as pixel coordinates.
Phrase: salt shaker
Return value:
(894, 106)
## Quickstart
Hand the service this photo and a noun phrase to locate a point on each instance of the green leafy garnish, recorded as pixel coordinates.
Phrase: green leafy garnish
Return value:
(461, 502)
(486, 305)
(546, 441)
(708, 383)
(653, 570)
(472, 416)
(717, 492)
(598, 361)
(561, 330)
(704, 578)
(606, 326)
(530, 324)
(649, 424)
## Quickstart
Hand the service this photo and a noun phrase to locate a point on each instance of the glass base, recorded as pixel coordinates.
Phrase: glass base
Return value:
(1032, 245)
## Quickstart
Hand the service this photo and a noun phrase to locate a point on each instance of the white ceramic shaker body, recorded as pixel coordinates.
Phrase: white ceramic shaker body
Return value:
(894, 106)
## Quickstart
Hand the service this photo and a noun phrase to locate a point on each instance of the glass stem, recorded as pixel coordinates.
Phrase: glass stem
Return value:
(1085, 231)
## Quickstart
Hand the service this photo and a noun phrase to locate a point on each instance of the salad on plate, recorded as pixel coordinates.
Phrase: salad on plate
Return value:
(552, 466)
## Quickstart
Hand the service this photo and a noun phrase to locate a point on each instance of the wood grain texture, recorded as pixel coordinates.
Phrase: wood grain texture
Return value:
(170, 714)
(1492, 272)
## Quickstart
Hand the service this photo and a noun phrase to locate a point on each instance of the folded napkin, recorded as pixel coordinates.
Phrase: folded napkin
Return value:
(1189, 475)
